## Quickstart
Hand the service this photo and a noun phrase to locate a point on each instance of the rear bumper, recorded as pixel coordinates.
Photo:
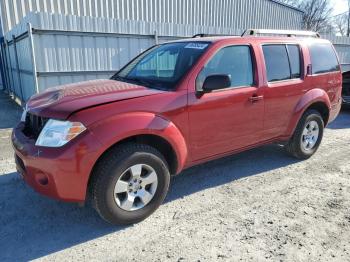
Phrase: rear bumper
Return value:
(60, 173)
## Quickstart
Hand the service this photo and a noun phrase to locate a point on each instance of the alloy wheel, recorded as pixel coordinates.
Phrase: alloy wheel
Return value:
(136, 187)
(310, 135)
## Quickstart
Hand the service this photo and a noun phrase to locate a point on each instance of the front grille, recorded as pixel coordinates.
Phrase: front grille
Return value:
(33, 125)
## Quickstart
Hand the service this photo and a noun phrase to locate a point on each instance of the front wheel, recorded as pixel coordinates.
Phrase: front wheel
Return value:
(307, 135)
(129, 183)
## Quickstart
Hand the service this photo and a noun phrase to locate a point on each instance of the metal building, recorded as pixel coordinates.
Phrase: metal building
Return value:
(217, 13)
(53, 42)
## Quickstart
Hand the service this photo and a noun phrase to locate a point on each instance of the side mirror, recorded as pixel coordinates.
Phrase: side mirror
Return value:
(215, 82)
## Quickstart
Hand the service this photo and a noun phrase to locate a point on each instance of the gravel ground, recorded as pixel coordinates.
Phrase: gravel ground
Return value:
(260, 205)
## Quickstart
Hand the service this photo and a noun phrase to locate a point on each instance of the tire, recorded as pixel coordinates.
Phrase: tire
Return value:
(119, 165)
(296, 146)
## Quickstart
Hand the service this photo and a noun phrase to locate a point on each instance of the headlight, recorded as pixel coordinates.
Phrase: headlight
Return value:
(58, 133)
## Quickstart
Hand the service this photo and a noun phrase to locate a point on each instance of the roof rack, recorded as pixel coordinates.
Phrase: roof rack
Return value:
(208, 35)
(199, 35)
(288, 33)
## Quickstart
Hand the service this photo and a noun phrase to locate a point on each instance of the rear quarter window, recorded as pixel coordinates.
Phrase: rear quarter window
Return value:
(323, 58)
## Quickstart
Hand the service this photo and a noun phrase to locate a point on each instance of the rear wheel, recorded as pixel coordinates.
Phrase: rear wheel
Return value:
(307, 135)
(129, 183)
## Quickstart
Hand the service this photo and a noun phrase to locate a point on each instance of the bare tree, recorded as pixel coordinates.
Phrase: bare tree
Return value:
(340, 24)
(294, 3)
(317, 14)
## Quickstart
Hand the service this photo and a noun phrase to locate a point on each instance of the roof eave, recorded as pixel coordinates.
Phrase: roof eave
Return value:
(287, 5)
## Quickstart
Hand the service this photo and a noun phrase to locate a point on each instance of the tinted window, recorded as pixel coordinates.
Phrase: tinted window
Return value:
(277, 63)
(235, 61)
(294, 59)
(323, 58)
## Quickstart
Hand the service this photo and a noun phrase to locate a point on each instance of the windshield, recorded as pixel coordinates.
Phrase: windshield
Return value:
(162, 66)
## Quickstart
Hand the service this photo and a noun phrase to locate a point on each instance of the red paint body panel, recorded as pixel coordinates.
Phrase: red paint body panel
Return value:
(199, 127)
(67, 169)
(60, 102)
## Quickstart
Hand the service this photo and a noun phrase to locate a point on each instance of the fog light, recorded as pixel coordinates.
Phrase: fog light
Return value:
(42, 179)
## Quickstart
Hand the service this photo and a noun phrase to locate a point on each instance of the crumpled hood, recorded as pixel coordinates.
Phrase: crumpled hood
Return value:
(60, 102)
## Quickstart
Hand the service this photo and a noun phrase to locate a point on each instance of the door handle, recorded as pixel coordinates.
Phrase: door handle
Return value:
(256, 98)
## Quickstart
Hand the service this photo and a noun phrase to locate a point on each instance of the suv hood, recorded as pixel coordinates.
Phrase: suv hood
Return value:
(60, 102)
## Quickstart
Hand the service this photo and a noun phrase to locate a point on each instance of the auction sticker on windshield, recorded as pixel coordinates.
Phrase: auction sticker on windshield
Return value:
(196, 45)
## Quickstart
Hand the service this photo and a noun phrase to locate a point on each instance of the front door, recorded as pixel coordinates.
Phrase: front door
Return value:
(227, 119)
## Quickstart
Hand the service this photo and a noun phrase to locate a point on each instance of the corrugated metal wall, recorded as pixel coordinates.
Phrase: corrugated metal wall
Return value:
(70, 49)
(19, 67)
(76, 40)
(216, 13)
(63, 58)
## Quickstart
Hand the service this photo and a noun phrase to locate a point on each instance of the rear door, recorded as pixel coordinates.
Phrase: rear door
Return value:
(228, 118)
(284, 85)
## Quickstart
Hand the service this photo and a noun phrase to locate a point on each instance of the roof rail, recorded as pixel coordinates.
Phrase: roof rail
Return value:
(288, 33)
(208, 35)
(199, 35)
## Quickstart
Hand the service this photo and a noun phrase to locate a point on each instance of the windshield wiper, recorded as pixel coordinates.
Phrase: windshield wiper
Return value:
(119, 78)
(131, 80)
(138, 81)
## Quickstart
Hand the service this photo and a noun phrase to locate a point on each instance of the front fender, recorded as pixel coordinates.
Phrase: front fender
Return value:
(311, 97)
(116, 128)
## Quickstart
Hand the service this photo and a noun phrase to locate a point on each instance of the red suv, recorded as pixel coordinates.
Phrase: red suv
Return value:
(178, 104)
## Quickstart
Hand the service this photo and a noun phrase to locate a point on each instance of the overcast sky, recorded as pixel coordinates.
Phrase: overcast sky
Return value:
(339, 6)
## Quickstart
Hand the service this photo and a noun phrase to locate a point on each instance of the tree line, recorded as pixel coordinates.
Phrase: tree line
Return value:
(318, 16)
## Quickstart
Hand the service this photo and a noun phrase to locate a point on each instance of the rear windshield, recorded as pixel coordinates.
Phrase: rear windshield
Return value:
(323, 58)
(164, 65)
